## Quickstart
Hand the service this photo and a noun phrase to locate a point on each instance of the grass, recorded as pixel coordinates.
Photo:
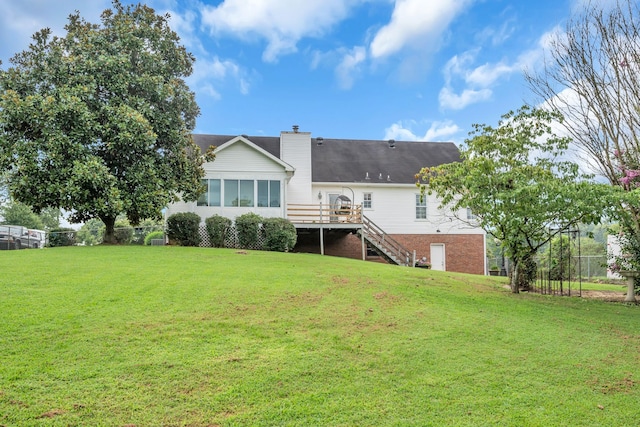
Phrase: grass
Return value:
(169, 336)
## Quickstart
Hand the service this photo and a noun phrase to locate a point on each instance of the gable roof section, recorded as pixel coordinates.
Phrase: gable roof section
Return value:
(349, 160)
(270, 144)
(223, 142)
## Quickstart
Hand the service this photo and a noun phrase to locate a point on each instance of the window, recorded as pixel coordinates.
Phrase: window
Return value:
(269, 194)
(246, 193)
(202, 200)
(238, 192)
(421, 206)
(211, 195)
(470, 215)
(366, 201)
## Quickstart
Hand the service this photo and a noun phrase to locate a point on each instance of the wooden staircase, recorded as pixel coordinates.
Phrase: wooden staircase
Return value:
(384, 245)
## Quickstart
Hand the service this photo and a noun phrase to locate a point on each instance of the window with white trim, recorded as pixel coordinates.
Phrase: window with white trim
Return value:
(367, 201)
(470, 215)
(421, 206)
(211, 195)
(238, 192)
(268, 194)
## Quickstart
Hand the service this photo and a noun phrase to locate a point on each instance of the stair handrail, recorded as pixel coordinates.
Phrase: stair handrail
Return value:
(385, 241)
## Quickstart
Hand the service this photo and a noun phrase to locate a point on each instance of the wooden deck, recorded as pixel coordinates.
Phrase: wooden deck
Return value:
(325, 216)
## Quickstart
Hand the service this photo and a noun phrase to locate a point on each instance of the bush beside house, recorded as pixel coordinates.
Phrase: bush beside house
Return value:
(280, 234)
(183, 228)
(248, 228)
(217, 229)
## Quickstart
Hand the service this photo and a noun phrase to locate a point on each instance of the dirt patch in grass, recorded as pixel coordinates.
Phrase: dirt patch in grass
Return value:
(614, 296)
(52, 413)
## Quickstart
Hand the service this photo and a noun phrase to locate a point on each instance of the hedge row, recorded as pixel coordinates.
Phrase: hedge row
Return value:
(278, 234)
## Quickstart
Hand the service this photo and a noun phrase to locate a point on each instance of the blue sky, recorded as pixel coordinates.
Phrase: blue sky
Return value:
(361, 69)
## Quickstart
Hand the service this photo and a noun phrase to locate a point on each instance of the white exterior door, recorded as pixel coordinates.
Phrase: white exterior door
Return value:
(437, 257)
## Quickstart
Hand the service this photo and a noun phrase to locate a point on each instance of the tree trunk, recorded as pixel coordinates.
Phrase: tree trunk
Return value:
(109, 230)
(515, 287)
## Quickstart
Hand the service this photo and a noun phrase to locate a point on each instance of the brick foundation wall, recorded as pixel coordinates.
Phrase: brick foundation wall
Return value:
(464, 253)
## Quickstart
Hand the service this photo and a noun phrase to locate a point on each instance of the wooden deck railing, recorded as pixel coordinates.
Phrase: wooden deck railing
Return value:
(325, 214)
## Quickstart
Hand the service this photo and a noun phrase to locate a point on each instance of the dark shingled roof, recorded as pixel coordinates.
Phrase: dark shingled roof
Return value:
(349, 160)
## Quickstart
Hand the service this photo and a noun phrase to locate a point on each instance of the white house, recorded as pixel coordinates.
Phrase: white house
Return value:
(354, 198)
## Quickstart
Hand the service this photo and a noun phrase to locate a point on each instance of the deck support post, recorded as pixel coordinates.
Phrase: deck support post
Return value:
(321, 231)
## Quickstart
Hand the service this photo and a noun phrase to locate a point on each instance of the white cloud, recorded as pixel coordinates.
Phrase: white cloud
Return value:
(184, 25)
(487, 74)
(399, 132)
(282, 23)
(206, 73)
(350, 66)
(477, 82)
(415, 23)
(438, 131)
(452, 101)
(497, 36)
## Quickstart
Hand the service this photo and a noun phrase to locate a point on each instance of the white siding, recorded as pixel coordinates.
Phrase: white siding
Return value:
(295, 149)
(394, 209)
(239, 158)
(239, 161)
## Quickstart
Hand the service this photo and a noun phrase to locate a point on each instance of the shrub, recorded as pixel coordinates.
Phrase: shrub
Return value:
(217, 229)
(183, 228)
(145, 227)
(153, 235)
(280, 234)
(248, 228)
(62, 237)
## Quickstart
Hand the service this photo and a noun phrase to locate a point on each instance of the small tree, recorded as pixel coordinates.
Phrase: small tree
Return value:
(248, 228)
(184, 228)
(279, 233)
(514, 180)
(217, 229)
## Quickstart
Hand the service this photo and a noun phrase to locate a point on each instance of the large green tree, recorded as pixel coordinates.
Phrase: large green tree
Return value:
(99, 122)
(515, 181)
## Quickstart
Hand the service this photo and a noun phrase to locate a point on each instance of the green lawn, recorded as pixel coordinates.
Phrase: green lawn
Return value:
(170, 336)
